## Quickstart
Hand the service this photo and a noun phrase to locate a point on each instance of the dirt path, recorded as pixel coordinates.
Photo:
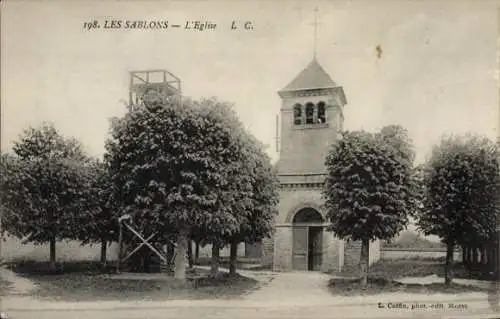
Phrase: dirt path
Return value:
(291, 288)
(20, 285)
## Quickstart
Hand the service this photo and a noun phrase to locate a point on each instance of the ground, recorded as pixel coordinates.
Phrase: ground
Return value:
(273, 295)
(86, 282)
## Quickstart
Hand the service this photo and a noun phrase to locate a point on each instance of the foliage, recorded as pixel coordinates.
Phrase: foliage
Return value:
(43, 186)
(45, 142)
(369, 190)
(173, 167)
(99, 221)
(461, 186)
(258, 218)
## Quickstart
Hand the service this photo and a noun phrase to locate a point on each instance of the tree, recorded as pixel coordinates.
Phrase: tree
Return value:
(257, 221)
(369, 190)
(42, 187)
(461, 203)
(98, 222)
(234, 186)
(171, 165)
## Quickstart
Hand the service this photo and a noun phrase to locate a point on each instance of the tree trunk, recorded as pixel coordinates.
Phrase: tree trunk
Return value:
(448, 266)
(466, 259)
(197, 251)
(464, 255)
(52, 263)
(170, 256)
(190, 253)
(104, 246)
(214, 270)
(180, 256)
(120, 248)
(233, 257)
(364, 262)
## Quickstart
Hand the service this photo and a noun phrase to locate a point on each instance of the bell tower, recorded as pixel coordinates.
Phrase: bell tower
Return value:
(312, 114)
(311, 117)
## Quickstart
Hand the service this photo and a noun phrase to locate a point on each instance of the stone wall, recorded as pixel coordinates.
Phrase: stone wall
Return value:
(393, 253)
(375, 253)
(12, 249)
(267, 251)
(283, 238)
(303, 149)
(292, 199)
(206, 251)
(331, 249)
(352, 253)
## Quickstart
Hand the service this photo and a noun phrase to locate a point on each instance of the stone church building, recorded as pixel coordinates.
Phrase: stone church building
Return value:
(311, 115)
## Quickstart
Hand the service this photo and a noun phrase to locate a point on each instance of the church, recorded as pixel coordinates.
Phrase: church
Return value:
(312, 114)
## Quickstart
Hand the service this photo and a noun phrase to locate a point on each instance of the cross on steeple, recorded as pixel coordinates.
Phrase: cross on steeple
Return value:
(315, 24)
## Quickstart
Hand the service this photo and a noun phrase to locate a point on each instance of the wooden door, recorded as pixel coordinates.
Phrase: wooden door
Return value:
(316, 247)
(300, 248)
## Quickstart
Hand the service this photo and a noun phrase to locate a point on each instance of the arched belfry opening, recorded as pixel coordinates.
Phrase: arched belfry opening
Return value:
(307, 246)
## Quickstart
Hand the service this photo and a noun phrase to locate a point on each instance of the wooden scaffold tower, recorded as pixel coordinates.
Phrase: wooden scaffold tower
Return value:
(153, 84)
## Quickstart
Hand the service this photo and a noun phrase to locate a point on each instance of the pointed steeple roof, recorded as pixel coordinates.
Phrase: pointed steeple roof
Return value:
(312, 77)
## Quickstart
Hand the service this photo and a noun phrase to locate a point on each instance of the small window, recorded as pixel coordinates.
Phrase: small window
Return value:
(321, 112)
(297, 114)
(309, 113)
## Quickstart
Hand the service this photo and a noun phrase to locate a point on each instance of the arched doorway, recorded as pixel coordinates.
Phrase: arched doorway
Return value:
(307, 248)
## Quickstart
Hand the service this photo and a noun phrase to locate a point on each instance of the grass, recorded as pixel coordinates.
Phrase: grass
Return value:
(5, 287)
(382, 276)
(84, 281)
(28, 267)
(352, 287)
(413, 267)
(393, 269)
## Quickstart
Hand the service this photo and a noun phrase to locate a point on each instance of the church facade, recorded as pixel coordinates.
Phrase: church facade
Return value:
(312, 114)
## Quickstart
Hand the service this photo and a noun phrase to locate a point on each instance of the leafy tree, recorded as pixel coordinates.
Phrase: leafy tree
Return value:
(257, 221)
(170, 164)
(98, 222)
(248, 196)
(369, 190)
(43, 185)
(45, 142)
(234, 188)
(461, 202)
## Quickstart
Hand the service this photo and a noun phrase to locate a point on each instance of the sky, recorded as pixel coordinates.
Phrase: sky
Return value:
(436, 74)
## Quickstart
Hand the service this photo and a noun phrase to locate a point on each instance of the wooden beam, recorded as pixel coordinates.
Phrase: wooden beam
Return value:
(137, 248)
(147, 243)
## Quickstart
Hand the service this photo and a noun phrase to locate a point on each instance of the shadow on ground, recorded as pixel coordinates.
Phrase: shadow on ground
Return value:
(89, 282)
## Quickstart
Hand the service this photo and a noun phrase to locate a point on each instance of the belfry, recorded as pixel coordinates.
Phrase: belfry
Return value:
(312, 115)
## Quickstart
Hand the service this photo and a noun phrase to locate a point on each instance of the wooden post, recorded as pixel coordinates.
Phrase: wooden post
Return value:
(120, 238)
